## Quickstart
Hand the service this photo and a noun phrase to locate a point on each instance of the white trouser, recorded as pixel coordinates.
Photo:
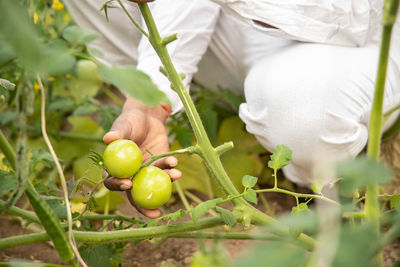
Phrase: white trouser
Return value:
(314, 98)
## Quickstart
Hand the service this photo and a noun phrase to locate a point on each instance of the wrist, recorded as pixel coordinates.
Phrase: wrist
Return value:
(160, 112)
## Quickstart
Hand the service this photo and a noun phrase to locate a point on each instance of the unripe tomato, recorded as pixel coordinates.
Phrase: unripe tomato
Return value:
(151, 187)
(122, 158)
(87, 70)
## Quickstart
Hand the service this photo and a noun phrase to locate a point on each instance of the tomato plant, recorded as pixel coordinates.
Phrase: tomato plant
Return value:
(53, 76)
(122, 158)
(151, 187)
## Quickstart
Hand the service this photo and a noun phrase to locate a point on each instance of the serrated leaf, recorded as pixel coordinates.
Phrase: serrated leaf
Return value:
(134, 83)
(227, 216)
(281, 157)
(98, 255)
(42, 156)
(359, 173)
(6, 84)
(395, 202)
(77, 35)
(317, 186)
(251, 196)
(249, 181)
(177, 215)
(204, 207)
(8, 182)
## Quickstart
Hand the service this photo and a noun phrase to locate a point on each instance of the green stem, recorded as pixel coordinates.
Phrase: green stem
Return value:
(21, 213)
(372, 211)
(116, 236)
(189, 150)
(7, 149)
(182, 196)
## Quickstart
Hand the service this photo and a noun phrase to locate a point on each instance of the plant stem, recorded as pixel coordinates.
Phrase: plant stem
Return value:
(188, 150)
(112, 96)
(20, 212)
(198, 201)
(182, 196)
(60, 173)
(7, 149)
(376, 119)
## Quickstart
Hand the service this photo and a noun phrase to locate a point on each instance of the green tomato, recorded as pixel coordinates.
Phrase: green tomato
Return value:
(151, 187)
(122, 158)
(87, 70)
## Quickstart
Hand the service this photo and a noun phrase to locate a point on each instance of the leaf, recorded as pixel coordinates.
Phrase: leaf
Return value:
(134, 83)
(62, 104)
(85, 109)
(7, 116)
(249, 181)
(108, 114)
(251, 196)
(226, 216)
(7, 84)
(8, 182)
(395, 202)
(209, 117)
(300, 209)
(60, 61)
(317, 186)
(281, 157)
(98, 255)
(58, 207)
(77, 35)
(359, 173)
(42, 156)
(204, 207)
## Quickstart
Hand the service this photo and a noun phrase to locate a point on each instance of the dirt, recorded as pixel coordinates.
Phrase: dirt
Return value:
(175, 251)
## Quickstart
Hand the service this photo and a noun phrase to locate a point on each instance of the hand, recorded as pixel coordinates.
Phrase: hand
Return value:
(146, 127)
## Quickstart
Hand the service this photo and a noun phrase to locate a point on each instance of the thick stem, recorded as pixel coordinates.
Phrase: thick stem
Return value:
(376, 119)
(7, 149)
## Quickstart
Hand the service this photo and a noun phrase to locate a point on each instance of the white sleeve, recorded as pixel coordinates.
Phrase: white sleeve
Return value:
(340, 22)
(194, 22)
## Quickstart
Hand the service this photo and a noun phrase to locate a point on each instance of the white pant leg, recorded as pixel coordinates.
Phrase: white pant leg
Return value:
(316, 99)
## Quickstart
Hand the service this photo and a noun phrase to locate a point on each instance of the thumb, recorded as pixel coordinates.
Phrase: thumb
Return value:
(120, 129)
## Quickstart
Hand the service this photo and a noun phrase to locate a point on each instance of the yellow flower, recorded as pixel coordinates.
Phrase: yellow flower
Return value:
(36, 87)
(35, 18)
(50, 79)
(68, 76)
(57, 5)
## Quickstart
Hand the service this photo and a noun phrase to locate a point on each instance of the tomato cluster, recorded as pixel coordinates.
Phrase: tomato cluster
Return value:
(151, 186)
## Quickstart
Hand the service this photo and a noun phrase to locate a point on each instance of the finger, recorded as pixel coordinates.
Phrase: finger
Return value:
(166, 163)
(119, 130)
(117, 184)
(174, 174)
(146, 212)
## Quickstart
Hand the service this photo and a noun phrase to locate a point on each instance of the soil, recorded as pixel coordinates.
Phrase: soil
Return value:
(177, 252)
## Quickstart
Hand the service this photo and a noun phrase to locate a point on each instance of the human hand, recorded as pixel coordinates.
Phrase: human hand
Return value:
(146, 127)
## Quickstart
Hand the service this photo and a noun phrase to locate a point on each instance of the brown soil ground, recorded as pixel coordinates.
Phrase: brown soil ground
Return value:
(176, 251)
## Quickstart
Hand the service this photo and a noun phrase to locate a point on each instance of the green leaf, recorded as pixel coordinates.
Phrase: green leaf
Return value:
(58, 207)
(7, 116)
(42, 156)
(359, 173)
(249, 181)
(300, 209)
(395, 202)
(134, 83)
(77, 35)
(60, 61)
(62, 104)
(317, 186)
(251, 196)
(108, 114)
(8, 182)
(98, 255)
(209, 117)
(204, 207)
(85, 109)
(226, 216)
(281, 157)
(7, 84)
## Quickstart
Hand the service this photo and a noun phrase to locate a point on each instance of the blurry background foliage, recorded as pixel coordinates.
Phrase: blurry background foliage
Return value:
(40, 37)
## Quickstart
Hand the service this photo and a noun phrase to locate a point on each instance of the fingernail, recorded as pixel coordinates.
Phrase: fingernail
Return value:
(172, 162)
(124, 187)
